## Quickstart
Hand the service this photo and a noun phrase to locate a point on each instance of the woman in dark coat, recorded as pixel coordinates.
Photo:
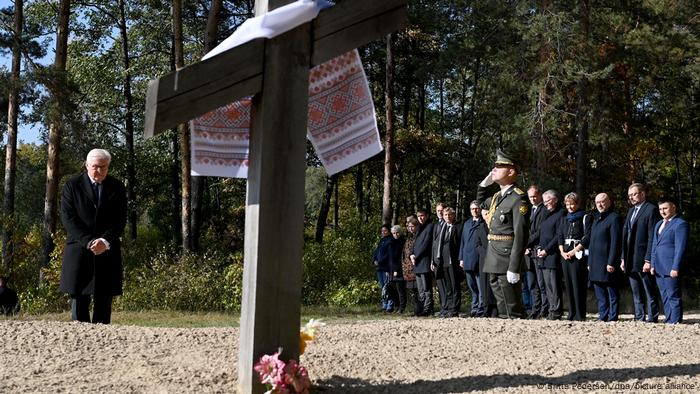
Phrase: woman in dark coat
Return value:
(604, 258)
(382, 257)
(574, 236)
(407, 265)
(395, 266)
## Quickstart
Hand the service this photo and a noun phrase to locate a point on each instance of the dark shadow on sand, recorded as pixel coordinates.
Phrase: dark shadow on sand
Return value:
(610, 376)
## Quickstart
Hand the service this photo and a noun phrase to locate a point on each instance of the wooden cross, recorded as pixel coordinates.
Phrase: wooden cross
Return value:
(276, 72)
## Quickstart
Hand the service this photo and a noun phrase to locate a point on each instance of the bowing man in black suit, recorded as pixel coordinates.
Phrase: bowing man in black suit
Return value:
(637, 234)
(93, 212)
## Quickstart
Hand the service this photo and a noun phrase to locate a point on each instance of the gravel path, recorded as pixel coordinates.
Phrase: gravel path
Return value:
(404, 355)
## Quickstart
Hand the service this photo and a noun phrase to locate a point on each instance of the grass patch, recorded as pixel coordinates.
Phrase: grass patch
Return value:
(329, 314)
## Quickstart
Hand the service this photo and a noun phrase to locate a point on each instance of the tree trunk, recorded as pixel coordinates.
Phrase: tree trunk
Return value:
(583, 117)
(325, 209)
(199, 183)
(336, 204)
(359, 191)
(11, 147)
(53, 175)
(129, 120)
(472, 109)
(184, 133)
(408, 84)
(389, 137)
(176, 223)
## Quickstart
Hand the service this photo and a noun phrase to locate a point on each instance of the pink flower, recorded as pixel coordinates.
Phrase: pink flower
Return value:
(270, 368)
(297, 377)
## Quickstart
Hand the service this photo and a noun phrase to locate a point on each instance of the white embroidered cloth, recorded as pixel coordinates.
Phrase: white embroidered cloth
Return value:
(341, 120)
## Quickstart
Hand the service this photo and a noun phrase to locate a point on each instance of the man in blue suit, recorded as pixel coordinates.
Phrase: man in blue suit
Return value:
(637, 233)
(667, 249)
(472, 250)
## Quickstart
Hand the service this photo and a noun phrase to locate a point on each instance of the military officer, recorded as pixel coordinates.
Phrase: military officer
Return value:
(507, 218)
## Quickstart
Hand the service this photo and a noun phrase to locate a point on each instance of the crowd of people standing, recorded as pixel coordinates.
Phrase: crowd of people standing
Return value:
(519, 251)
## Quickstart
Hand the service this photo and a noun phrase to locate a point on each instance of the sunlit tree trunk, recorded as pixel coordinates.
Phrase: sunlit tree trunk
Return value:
(11, 147)
(389, 137)
(129, 124)
(583, 118)
(184, 133)
(199, 183)
(53, 175)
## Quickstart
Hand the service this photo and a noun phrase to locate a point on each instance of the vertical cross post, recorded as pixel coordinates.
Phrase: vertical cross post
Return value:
(271, 306)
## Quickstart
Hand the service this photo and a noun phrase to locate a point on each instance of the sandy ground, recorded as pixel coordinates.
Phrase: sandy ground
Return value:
(403, 355)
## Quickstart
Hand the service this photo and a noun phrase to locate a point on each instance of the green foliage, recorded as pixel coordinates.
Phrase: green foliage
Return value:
(37, 297)
(162, 280)
(336, 271)
(355, 292)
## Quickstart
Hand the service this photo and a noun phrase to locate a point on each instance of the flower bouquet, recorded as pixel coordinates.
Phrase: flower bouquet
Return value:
(287, 377)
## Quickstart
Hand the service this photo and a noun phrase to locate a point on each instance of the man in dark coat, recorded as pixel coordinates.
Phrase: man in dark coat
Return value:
(421, 257)
(637, 234)
(533, 272)
(508, 221)
(93, 212)
(472, 251)
(547, 251)
(448, 273)
(603, 261)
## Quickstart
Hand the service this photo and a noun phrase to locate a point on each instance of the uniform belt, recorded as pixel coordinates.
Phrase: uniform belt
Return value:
(497, 237)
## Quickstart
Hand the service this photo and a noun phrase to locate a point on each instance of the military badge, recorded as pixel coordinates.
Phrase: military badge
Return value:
(523, 209)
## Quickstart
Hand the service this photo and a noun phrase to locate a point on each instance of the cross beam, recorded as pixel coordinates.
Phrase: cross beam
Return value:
(202, 87)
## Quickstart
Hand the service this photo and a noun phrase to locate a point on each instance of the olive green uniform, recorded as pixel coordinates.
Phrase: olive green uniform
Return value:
(508, 235)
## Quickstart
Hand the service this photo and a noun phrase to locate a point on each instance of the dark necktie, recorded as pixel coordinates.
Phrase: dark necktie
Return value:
(96, 191)
(634, 214)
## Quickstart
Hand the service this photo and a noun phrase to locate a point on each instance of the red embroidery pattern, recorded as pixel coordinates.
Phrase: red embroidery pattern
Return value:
(341, 123)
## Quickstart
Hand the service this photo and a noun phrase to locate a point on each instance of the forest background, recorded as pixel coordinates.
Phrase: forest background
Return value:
(590, 96)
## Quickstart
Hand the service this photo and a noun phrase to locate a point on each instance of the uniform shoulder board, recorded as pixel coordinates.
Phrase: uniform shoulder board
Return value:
(524, 209)
(517, 190)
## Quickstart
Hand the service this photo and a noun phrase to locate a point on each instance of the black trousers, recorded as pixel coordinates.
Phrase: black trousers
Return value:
(424, 282)
(400, 286)
(412, 287)
(507, 296)
(538, 295)
(552, 279)
(448, 283)
(101, 308)
(576, 280)
(539, 272)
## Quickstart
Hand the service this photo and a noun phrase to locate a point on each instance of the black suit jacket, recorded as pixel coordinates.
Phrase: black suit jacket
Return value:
(637, 236)
(549, 238)
(604, 247)
(448, 245)
(85, 219)
(534, 238)
(422, 248)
